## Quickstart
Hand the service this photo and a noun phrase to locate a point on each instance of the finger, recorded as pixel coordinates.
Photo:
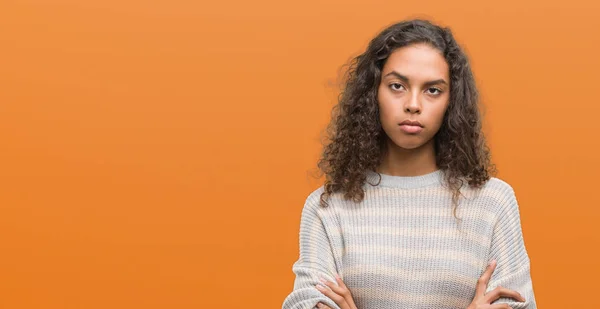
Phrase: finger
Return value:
(500, 306)
(338, 299)
(344, 300)
(340, 282)
(482, 282)
(347, 295)
(338, 289)
(322, 306)
(502, 292)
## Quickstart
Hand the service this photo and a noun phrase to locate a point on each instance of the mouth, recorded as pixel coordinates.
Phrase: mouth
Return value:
(411, 123)
(411, 127)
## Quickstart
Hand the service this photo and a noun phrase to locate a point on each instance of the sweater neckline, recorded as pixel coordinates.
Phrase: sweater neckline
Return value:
(406, 182)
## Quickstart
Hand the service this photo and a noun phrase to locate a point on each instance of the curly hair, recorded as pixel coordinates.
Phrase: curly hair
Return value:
(355, 137)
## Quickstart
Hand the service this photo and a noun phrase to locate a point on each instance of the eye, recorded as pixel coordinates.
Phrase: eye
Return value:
(434, 89)
(395, 86)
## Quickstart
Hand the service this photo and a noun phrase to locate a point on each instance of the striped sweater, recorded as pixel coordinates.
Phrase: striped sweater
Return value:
(402, 247)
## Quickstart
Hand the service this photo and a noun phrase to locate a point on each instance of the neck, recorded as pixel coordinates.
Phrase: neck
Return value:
(398, 161)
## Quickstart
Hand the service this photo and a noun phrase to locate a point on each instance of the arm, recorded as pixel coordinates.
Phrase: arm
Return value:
(316, 260)
(508, 249)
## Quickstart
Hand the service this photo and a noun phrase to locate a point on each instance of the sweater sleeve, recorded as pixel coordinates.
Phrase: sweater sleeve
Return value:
(315, 261)
(508, 249)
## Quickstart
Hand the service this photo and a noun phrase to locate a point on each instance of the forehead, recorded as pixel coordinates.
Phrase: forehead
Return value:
(418, 61)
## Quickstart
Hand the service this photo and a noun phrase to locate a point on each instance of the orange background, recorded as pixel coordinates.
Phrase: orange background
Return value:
(156, 154)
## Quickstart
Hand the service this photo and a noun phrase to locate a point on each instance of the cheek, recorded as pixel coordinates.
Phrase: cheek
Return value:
(386, 115)
(438, 116)
(387, 108)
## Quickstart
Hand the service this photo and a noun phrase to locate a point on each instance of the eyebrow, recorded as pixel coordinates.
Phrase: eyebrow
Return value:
(406, 80)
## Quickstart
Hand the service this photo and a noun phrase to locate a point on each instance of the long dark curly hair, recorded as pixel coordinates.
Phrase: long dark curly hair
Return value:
(355, 138)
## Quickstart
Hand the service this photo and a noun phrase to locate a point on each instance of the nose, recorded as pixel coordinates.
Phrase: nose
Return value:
(412, 105)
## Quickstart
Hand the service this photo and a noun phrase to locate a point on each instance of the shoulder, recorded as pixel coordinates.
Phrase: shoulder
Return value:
(495, 184)
(313, 206)
(495, 196)
(315, 195)
(313, 200)
(503, 196)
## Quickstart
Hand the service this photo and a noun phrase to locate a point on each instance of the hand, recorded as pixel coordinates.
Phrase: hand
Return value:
(339, 293)
(482, 300)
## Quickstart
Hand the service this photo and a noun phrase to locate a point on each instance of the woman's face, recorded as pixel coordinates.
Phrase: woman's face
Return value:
(415, 87)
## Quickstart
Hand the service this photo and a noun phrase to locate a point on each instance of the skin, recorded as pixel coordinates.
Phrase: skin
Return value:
(415, 85)
(341, 295)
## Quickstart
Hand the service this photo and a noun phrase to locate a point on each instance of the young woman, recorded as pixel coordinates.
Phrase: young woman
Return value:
(410, 215)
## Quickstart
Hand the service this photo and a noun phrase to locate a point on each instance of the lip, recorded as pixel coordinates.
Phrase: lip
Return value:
(411, 123)
(411, 127)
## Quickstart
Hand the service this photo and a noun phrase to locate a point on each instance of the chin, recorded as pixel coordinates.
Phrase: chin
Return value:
(408, 144)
